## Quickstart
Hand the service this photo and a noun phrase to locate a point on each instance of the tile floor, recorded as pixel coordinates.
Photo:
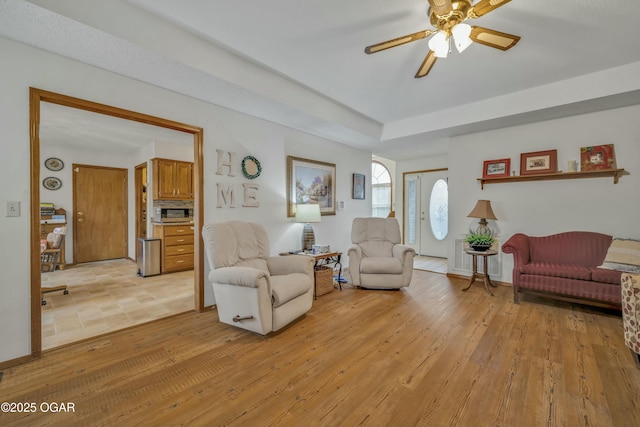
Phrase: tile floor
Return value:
(437, 265)
(106, 296)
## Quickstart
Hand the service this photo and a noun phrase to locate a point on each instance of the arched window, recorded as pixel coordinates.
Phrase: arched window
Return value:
(380, 190)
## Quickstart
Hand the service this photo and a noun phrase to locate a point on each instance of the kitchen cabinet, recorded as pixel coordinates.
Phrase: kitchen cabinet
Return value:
(176, 248)
(172, 180)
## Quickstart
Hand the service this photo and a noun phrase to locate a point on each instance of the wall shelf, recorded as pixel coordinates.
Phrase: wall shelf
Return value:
(615, 173)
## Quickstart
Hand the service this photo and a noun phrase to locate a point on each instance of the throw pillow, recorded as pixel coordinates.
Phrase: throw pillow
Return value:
(623, 255)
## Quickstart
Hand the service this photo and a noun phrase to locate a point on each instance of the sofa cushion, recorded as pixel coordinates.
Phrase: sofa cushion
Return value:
(573, 247)
(567, 271)
(377, 248)
(605, 275)
(623, 255)
(380, 265)
(596, 291)
(286, 287)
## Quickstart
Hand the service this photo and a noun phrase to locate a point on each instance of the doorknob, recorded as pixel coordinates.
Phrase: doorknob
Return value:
(80, 220)
(80, 213)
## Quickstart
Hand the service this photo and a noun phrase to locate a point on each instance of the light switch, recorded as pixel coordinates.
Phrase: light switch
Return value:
(13, 209)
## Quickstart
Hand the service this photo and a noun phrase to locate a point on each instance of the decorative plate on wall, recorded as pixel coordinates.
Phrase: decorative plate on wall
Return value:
(251, 167)
(51, 183)
(54, 164)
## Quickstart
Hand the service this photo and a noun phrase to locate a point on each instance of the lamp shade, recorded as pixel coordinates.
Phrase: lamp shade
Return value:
(461, 33)
(439, 44)
(308, 213)
(482, 210)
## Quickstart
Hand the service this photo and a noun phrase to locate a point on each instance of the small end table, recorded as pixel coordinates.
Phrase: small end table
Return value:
(329, 258)
(485, 274)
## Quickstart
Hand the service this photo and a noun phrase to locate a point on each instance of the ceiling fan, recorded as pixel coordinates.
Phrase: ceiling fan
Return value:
(447, 17)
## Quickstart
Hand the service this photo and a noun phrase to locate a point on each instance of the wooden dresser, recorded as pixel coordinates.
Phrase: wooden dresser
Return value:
(177, 246)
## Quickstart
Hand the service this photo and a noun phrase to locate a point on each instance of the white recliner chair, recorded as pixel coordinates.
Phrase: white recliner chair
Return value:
(377, 260)
(253, 290)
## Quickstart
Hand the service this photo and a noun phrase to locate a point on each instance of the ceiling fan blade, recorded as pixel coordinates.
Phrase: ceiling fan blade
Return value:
(485, 6)
(397, 41)
(427, 64)
(440, 7)
(493, 38)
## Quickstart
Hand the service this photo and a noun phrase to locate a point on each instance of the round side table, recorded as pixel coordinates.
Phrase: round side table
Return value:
(485, 274)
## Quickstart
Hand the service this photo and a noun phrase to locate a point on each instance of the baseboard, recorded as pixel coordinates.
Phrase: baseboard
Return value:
(18, 361)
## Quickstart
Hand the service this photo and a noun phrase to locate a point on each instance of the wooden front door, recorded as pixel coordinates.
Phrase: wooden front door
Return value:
(99, 213)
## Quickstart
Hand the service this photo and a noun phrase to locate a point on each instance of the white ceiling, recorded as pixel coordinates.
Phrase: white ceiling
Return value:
(84, 130)
(321, 45)
(302, 63)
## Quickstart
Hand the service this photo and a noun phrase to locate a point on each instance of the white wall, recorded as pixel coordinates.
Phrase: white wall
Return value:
(548, 207)
(63, 197)
(25, 67)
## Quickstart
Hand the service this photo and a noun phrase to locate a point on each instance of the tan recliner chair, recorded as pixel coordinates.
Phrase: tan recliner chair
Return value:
(377, 260)
(253, 290)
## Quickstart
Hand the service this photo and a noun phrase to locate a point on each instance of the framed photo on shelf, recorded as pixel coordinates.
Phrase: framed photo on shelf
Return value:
(496, 168)
(358, 186)
(597, 158)
(310, 181)
(539, 162)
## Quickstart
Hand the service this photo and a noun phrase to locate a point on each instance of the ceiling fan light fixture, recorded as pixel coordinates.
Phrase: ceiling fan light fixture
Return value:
(461, 33)
(439, 44)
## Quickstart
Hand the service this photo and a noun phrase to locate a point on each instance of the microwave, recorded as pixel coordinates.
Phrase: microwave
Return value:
(172, 214)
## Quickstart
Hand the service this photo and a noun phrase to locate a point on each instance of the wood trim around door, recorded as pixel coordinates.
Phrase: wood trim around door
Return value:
(36, 96)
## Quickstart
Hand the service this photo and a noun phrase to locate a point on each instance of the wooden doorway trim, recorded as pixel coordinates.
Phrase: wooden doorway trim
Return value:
(36, 96)
(140, 203)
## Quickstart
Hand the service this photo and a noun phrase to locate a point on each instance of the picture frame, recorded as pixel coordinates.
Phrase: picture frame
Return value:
(539, 162)
(597, 157)
(311, 181)
(358, 186)
(496, 168)
(54, 164)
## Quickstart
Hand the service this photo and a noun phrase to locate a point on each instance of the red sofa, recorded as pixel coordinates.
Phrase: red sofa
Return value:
(564, 266)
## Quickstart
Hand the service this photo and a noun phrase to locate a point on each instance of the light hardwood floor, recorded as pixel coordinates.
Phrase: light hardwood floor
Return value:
(427, 355)
(106, 296)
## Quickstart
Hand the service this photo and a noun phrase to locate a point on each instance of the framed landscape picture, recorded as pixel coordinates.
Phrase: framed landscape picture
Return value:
(310, 181)
(539, 162)
(597, 157)
(496, 168)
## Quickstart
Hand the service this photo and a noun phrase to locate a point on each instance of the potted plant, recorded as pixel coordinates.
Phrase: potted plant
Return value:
(480, 241)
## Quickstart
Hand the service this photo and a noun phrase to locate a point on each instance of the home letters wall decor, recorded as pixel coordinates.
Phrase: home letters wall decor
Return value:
(226, 191)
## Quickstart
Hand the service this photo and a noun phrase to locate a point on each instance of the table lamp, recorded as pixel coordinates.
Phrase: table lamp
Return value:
(307, 214)
(483, 211)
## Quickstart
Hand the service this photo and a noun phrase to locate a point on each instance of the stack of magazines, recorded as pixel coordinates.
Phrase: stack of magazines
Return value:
(47, 209)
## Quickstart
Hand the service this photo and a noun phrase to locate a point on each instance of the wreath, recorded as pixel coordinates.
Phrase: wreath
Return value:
(258, 168)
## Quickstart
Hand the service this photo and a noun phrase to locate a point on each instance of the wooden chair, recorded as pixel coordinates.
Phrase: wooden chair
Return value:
(49, 257)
